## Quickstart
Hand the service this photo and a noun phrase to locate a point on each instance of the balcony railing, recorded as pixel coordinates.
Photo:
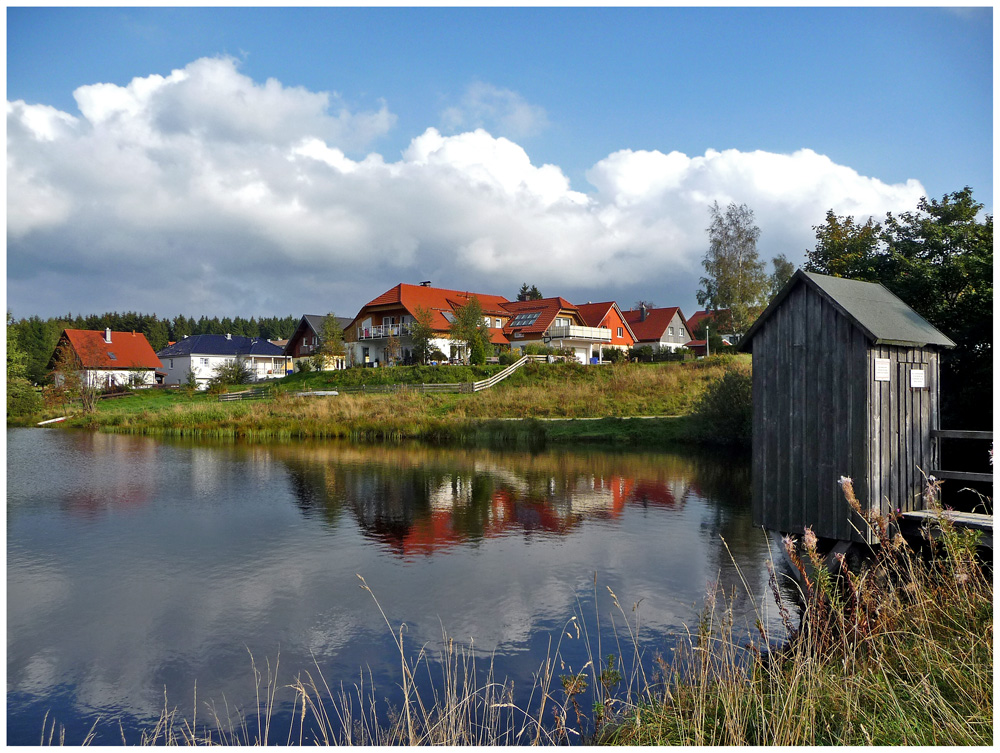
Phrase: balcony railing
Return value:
(383, 330)
(598, 334)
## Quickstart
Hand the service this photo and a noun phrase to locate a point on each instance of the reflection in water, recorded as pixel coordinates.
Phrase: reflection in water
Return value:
(419, 500)
(136, 564)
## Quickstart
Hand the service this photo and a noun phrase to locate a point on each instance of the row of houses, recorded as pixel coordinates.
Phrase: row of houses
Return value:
(380, 334)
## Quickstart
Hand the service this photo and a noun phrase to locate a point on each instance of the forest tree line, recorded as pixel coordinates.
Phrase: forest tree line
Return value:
(38, 337)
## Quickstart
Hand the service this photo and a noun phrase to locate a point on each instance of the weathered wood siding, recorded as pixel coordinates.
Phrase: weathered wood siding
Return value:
(901, 447)
(810, 417)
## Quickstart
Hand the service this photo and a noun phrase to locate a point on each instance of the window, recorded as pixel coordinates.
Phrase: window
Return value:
(204, 362)
(524, 320)
(487, 320)
(448, 317)
(499, 324)
(680, 331)
(562, 321)
(112, 356)
(620, 332)
(670, 330)
(171, 363)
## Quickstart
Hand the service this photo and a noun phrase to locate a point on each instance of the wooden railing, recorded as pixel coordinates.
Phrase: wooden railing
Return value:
(257, 393)
(483, 384)
(962, 475)
(501, 375)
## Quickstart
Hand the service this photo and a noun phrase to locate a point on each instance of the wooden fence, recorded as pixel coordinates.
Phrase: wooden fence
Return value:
(258, 393)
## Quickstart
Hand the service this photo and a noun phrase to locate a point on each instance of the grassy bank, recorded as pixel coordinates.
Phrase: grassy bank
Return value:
(539, 403)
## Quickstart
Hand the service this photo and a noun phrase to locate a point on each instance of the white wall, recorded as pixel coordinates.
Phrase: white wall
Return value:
(204, 367)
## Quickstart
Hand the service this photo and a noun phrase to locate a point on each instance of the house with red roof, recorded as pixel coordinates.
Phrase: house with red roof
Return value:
(107, 359)
(607, 315)
(699, 319)
(389, 316)
(665, 329)
(556, 323)
(384, 323)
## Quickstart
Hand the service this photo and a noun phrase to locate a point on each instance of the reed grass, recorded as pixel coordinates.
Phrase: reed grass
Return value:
(899, 653)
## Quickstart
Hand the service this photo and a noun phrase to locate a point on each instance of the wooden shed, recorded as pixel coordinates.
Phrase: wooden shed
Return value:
(845, 383)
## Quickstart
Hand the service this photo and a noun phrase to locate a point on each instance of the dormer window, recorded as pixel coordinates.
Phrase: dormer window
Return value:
(112, 356)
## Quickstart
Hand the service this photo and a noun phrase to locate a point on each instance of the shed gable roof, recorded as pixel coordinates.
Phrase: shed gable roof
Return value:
(880, 314)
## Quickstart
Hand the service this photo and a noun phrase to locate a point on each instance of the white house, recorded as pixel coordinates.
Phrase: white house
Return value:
(203, 354)
(106, 359)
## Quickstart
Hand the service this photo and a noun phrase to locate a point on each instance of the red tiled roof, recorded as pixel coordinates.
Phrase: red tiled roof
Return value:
(698, 316)
(594, 313)
(547, 308)
(435, 300)
(655, 324)
(127, 350)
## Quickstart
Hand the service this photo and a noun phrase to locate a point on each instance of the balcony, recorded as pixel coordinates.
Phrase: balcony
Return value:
(590, 334)
(381, 331)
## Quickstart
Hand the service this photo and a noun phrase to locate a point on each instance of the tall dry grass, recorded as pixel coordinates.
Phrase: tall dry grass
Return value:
(898, 653)
(541, 391)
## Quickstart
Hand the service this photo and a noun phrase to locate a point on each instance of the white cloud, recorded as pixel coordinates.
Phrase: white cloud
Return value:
(501, 110)
(205, 192)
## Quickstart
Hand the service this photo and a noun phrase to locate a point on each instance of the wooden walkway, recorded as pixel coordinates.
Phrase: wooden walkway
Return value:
(912, 522)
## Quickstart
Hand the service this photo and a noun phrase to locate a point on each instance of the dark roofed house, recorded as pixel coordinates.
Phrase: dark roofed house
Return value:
(845, 383)
(203, 354)
(305, 342)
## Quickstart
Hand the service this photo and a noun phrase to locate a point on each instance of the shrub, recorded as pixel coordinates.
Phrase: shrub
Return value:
(22, 399)
(508, 357)
(725, 411)
(304, 366)
(236, 371)
(477, 352)
(613, 355)
(642, 353)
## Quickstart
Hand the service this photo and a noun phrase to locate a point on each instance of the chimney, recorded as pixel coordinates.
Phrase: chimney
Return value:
(107, 335)
(642, 315)
(425, 284)
(229, 336)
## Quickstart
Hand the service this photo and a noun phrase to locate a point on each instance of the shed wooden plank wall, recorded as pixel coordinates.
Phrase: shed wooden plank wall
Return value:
(901, 422)
(810, 417)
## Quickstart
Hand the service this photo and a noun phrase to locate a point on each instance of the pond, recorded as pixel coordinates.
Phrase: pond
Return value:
(139, 569)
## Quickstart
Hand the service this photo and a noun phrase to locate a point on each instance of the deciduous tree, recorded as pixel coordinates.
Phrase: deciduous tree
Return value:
(421, 333)
(735, 277)
(470, 328)
(783, 271)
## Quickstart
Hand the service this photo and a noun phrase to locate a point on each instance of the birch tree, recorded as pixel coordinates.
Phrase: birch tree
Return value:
(735, 277)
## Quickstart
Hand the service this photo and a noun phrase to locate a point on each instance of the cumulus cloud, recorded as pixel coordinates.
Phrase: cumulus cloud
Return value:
(206, 192)
(501, 110)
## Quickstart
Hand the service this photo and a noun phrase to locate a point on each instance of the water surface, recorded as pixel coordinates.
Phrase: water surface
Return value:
(136, 565)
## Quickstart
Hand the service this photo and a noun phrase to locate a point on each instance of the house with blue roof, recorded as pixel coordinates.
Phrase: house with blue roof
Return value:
(203, 354)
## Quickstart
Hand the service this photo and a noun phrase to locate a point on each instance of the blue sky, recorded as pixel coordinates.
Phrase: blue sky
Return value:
(880, 106)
